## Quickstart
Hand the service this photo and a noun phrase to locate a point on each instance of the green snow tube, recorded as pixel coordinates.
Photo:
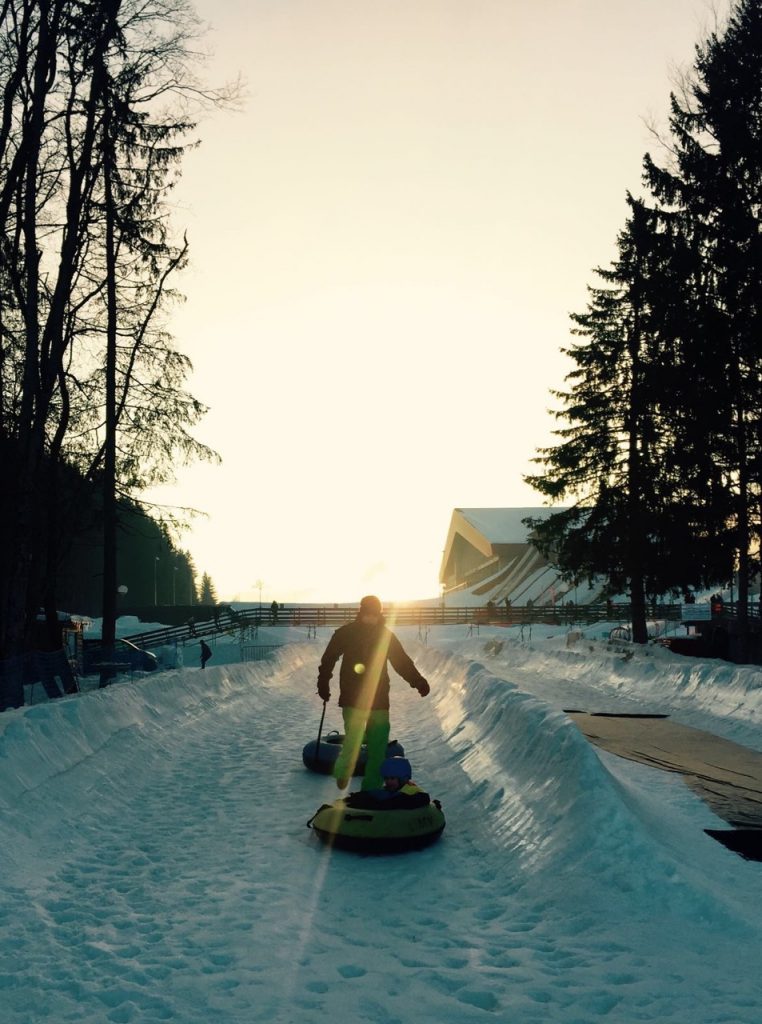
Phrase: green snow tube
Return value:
(378, 831)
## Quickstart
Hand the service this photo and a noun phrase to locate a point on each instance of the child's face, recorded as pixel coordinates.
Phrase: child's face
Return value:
(393, 784)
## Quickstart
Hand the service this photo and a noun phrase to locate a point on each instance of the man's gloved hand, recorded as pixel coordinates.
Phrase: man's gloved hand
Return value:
(423, 688)
(323, 689)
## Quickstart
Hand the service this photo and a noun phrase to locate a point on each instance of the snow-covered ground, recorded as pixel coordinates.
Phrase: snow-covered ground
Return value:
(157, 867)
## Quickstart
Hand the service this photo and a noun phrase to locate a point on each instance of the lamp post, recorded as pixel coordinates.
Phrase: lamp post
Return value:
(259, 584)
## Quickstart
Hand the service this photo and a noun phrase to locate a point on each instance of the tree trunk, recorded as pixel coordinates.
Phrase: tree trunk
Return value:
(638, 609)
(636, 530)
(26, 526)
(108, 635)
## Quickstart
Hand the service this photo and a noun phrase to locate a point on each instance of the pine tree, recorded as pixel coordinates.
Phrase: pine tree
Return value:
(663, 452)
(208, 593)
(88, 374)
(713, 186)
(609, 455)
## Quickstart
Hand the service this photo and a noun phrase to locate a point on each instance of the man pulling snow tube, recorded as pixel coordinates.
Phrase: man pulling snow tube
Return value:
(396, 818)
(321, 757)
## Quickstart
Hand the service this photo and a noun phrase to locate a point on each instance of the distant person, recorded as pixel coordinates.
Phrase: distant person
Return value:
(206, 653)
(365, 646)
(191, 624)
(274, 611)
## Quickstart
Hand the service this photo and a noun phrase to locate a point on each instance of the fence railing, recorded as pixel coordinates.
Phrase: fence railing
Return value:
(258, 652)
(244, 623)
(34, 677)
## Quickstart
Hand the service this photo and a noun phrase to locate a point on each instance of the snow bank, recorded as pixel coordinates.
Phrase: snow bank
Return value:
(157, 864)
(550, 798)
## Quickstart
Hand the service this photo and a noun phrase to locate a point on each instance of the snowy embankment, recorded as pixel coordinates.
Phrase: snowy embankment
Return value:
(157, 864)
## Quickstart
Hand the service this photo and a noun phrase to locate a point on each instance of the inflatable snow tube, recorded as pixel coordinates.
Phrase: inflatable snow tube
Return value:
(322, 758)
(378, 830)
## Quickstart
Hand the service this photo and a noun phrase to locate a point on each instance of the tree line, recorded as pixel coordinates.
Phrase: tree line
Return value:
(151, 568)
(658, 452)
(99, 101)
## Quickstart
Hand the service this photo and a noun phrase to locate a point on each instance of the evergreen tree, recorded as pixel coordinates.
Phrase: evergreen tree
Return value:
(713, 186)
(662, 450)
(88, 374)
(610, 450)
(208, 593)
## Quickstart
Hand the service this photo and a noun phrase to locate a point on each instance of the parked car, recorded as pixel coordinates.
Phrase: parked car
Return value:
(128, 657)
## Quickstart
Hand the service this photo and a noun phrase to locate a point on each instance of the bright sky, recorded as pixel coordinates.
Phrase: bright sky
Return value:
(386, 243)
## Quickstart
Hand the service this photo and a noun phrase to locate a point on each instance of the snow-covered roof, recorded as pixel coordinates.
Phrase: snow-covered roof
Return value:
(503, 525)
(478, 534)
(489, 556)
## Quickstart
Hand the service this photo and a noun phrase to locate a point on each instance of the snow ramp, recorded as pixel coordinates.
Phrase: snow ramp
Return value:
(157, 866)
(566, 812)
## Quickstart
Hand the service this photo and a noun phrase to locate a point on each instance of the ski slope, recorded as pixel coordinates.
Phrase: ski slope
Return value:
(157, 867)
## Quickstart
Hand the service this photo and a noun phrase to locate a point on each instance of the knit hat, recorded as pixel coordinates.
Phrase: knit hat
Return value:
(396, 768)
(370, 605)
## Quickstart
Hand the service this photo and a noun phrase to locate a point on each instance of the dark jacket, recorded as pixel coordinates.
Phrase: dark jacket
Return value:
(364, 650)
(409, 798)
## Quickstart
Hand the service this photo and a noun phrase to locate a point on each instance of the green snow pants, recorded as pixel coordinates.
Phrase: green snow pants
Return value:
(371, 727)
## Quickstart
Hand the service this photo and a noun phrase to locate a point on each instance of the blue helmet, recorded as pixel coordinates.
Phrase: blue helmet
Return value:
(396, 768)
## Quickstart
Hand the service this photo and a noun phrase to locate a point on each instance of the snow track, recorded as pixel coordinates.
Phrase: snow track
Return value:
(158, 867)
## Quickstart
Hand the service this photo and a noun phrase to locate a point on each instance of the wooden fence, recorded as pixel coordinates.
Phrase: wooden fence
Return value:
(246, 622)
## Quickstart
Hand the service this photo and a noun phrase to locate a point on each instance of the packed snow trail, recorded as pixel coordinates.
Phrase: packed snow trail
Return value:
(158, 866)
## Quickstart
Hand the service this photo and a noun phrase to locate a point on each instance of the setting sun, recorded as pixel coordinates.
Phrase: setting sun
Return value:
(378, 297)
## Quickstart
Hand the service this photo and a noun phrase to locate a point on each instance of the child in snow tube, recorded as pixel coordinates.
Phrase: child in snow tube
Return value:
(399, 791)
(396, 818)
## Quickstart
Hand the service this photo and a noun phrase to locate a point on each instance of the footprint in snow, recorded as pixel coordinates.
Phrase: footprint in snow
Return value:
(351, 971)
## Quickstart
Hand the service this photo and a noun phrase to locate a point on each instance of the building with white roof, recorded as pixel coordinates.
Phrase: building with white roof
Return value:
(489, 556)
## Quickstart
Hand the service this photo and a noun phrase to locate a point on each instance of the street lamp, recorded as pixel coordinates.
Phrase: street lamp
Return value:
(259, 584)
